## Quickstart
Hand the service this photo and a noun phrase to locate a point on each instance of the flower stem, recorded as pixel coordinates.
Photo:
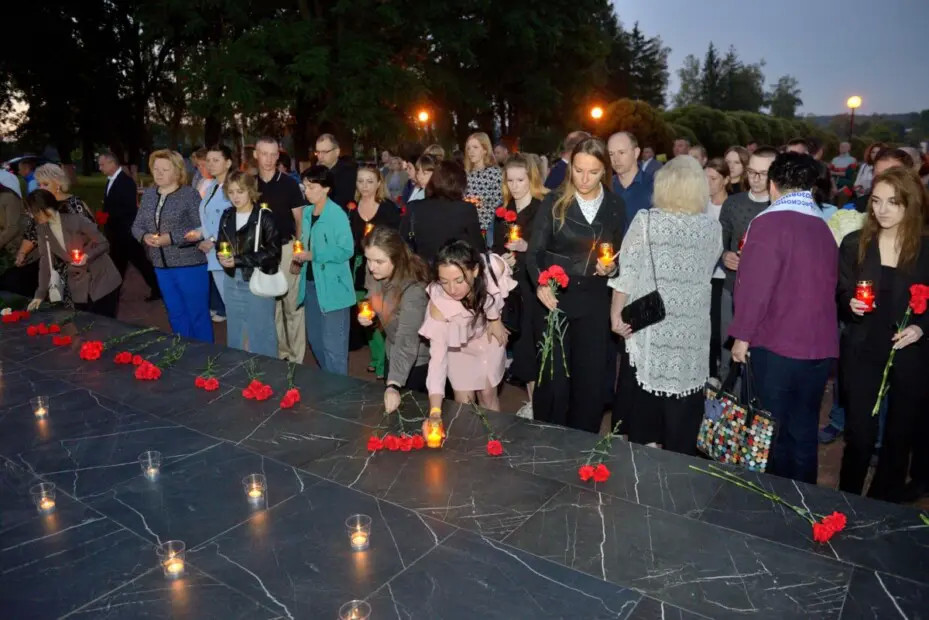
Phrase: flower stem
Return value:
(882, 392)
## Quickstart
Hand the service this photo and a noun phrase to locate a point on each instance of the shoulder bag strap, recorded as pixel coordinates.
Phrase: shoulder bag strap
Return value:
(648, 219)
(258, 230)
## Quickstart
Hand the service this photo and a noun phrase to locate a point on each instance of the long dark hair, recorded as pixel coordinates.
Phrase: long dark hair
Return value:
(462, 255)
(42, 200)
(407, 265)
(912, 194)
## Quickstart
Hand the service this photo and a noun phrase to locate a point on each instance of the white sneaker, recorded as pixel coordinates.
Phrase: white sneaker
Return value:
(525, 411)
(218, 318)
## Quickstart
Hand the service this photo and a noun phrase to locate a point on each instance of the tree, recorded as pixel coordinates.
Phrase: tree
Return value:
(784, 97)
(689, 76)
(648, 67)
(722, 83)
(640, 119)
(711, 79)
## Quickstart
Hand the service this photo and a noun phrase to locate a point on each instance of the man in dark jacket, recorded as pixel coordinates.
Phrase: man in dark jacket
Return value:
(343, 171)
(557, 173)
(120, 205)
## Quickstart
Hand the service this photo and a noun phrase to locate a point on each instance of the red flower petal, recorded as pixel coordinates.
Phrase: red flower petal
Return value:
(200, 382)
(586, 472)
(494, 447)
(32, 330)
(211, 385)
(374, 444)
(54, 328)
(543, 277)
(43, 329)
(418, 442)
(392, 442)
(137, 360)
(406, 443)
(601, 473)
(822, 533)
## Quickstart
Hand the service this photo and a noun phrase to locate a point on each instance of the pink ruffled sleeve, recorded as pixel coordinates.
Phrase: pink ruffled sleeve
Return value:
(498, 291)
(437, 332)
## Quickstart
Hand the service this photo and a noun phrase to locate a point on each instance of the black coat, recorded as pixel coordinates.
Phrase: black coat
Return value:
(574, 247)
(556, 174)
(344, 174)
(121, 202)
(850, 273)
(525, 220)
(387, 215)
(268, 256)
(429, 224)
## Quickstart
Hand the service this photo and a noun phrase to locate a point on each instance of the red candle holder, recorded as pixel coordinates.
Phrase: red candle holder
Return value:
(77, 256)
(864, 292)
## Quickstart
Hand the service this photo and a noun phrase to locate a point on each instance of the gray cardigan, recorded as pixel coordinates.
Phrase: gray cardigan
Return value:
(405, 347)
(179, 215)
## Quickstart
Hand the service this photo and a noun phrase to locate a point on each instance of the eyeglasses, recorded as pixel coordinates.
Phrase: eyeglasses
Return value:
(756, 174)
(318, 153)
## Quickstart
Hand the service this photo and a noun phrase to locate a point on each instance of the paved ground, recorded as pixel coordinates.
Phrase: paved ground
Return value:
(134, 309)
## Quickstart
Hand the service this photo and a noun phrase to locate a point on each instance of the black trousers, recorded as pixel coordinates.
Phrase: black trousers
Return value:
(105, 306)
(577, 401)
(907, 403)
(124, 249)
(672, 421)
(525, 366)
(716, 295)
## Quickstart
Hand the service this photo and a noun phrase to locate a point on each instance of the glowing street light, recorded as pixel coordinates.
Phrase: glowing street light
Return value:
(853, 103)
(596, 113)
(423, 116)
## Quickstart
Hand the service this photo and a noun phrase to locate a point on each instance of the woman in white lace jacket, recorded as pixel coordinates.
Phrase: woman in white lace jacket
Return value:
(660, 397)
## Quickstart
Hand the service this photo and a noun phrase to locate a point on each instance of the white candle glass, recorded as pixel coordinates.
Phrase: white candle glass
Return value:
(150, 462)
(43, 496)
(355, 610)
(171, 558)
(40, 406)
(256, 489)
(359, 531)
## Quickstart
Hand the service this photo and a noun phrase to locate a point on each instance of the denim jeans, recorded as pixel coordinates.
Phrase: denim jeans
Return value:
(792, 391)
(249, 318)
(327, 333)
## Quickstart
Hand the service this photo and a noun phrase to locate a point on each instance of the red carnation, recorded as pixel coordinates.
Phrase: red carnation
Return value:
(32, 330)
(123, 357)
(392, 442)
(9, 318)
(61, 341)
(406, 443)
(91, 350)
(102, 217)
(137, 360)
(822, 532)
(24, 314)
(43, 329)
(919, 296)
(54, 328)
(374, 444)
(500, 211)
(293, 394)
(601, 473)
(836, 521)
(211, 384)
(352, 206)
(494, 447)
(200, 382)
(510, 216)
(586, 472)
(418, 442)
(248, 393)
(543, 277)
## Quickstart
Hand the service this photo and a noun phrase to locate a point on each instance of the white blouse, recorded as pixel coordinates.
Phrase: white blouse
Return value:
(591, 207)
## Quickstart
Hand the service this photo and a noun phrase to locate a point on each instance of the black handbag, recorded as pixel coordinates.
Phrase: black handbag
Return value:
(648, 309)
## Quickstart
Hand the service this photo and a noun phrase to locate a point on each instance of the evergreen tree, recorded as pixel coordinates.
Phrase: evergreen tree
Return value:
(784, 97)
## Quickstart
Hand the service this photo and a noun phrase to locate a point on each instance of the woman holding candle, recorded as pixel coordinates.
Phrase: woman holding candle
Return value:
(215, 201)
(170, 210)
(522, 194)
(373, 210)
(892, 252)
(326, 290)
(72, 247)
(569, 227)
(254, 243)
(673, 248)
(396, 289)
(485, 181)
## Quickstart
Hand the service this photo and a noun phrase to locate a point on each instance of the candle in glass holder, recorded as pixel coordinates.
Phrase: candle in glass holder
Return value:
(368, 228)
(150, 462)
(364, 309)
(864, 292)
(359, 531)
(171, 557)
(225, 250)
(514, 233)
(40, 406)
(256, 487)
(355, 610)
(43, 495)
(77, 256)
(298, 246)
(606, 253)
(435, 433)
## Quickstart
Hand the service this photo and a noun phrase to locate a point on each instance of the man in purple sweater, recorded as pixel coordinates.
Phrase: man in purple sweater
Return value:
(785, 314)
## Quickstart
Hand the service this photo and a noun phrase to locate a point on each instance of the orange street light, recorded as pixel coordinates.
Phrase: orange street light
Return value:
(423, 116)
(853, 103)
(596, 113)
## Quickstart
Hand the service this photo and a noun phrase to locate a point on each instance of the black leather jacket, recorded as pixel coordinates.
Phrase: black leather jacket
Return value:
(242, 242)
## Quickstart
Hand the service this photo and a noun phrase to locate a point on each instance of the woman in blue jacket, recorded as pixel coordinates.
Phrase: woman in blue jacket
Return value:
(326, 290)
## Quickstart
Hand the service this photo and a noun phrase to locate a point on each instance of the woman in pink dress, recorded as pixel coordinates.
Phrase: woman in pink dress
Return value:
(467, 338)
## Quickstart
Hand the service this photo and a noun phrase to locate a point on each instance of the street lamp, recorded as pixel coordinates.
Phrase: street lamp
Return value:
(853, 103)
(596, 113)
(423, 116)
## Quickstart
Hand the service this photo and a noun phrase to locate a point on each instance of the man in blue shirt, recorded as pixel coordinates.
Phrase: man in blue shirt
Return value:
(633, 185)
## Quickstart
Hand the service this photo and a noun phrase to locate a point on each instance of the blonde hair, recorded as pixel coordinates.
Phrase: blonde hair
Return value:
(528, 163)
(484, 140)
(595, 147)
(174, 158)
(681, 186)
(436, 151)
(381, 194)
(53, 172)
(245, 181)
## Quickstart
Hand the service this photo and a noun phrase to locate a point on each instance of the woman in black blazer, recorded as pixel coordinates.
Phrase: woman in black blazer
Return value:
(892, 251)
(443, 215)
(568, 229)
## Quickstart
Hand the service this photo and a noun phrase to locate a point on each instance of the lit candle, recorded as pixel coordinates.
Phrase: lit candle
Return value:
(255, 486)
(76, 256)
(298, 246)
(368, 228)
(355, 610)
(435, 433)
(171, 557)
(151, 473)
(864, 292)
(364, 309)
(150, 462)
(40, 406)
(46, 504)
(43, 496)
(225, 249)
(606, 253)
(359, 541)
(359, 531)
(514, 233)
(174, 567)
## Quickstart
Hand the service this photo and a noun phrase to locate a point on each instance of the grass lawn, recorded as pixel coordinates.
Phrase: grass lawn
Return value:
(90, 189)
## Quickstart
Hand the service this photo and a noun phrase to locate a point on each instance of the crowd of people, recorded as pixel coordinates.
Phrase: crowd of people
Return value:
(754, 256)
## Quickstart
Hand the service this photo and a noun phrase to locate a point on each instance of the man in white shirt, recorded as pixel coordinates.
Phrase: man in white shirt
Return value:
(843, 160)
(649, 164)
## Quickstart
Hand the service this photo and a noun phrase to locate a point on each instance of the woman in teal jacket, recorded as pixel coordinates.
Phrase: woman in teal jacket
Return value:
(326, 290)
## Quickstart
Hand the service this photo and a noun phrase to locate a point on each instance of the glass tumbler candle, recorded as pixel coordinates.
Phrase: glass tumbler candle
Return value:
(43, 495)
(256, 489)
(150, 462)
(171, 557)
(606, 253)
(435, 433)
(355, 610)
(359, 531)
(864, 292)
(40, 407)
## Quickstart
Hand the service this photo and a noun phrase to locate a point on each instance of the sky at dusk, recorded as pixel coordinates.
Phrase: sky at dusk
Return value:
(878, 49)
